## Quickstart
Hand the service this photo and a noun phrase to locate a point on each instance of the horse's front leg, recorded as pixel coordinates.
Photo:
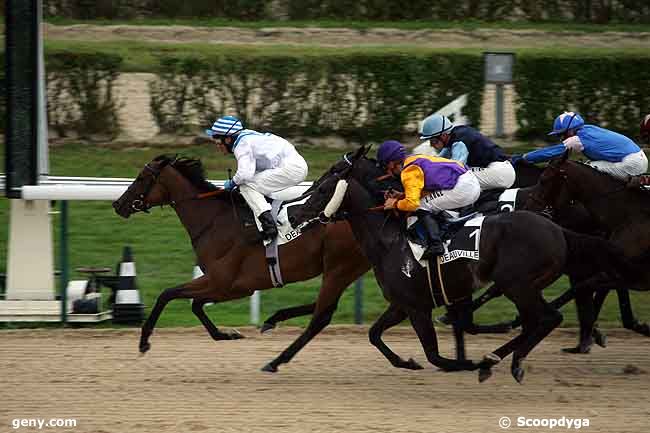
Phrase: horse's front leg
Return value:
(286, 314)
(391, 317)
(167, 295)
(627, 315)
(421, 322)
(215, 333)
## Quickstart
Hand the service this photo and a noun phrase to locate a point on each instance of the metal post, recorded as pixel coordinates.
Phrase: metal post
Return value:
(255, 307)
(499, 110)
(358, 301)
(64, 260)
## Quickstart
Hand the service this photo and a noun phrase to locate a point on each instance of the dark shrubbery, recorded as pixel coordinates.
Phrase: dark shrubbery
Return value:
(359, 96)
(608, 90)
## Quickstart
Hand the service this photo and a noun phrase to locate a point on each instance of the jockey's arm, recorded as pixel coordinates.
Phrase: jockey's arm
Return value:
(245, 163)
(546, 153)
(413, 181)
(459, 152)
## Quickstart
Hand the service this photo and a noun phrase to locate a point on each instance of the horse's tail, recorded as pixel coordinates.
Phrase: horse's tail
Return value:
(594, 255)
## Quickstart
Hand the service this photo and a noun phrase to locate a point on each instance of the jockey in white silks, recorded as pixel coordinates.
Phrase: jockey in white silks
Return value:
(266, 164)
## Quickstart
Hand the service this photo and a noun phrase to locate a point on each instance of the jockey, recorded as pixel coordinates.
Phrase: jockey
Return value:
(266, 164)
(645, 129)
(431, 185)
(608, 151)
(465, 144)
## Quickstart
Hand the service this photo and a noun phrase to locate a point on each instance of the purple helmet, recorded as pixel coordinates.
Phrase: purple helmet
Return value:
(391, 150)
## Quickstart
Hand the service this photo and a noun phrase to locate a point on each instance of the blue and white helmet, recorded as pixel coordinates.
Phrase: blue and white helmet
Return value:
(225, 126)
(434, 126)
(565, 121)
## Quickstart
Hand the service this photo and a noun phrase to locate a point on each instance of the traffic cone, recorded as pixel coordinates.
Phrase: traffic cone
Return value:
(128, 307)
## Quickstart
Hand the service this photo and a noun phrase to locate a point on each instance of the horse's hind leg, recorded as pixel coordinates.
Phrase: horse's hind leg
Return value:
(215, 333)
(286, 314)
(148, 326)
(627, 316)
(540, 320)
(587, 319)
(423, 326)
(391, 317)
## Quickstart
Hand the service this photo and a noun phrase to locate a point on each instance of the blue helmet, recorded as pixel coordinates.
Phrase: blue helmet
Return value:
(389, 151)
(225, 126)
(434, 126)
(565, 121)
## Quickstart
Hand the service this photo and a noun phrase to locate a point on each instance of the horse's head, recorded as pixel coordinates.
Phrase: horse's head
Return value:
(145, 191)
(551, 193)
(328, 192)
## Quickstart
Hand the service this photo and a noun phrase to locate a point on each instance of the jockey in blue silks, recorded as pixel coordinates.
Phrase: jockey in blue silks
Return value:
(266, 164)
(608, 151)
(467, 145)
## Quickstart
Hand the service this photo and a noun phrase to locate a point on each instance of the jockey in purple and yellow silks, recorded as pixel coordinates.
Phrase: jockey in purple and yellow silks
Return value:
(431, 185)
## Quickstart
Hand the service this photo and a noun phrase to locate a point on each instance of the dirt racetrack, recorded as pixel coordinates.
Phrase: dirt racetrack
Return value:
(339, 383)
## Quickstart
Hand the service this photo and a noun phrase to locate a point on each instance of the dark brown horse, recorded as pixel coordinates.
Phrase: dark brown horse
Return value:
(521, 252)
(233, 267)
(622, 212)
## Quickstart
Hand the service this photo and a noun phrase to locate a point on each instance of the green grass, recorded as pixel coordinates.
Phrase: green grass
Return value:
(367, 25)
(144, 56)
(164, 256)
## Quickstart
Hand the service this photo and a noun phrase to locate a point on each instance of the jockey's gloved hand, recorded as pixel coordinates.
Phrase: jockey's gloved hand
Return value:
(514, 159)
(229, 185)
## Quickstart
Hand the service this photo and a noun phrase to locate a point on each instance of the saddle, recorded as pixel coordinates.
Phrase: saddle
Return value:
(642, 182)
(450, 222)
(488, 201)
(251, 233)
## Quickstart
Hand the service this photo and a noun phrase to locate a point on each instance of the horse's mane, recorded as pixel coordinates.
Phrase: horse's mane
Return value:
(191, 169)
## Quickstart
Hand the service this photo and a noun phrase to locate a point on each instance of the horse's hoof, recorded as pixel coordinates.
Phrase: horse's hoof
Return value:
(270, 368)
(266, 327)
(444, 319)
(518, 374)
(144, 348)
(600, 338)
(484, 374)
(581, 349)
(489, 360)
(411, 364)
(235, 335)
(642, 328)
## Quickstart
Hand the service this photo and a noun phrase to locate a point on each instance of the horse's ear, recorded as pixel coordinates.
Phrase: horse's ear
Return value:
(361, 151)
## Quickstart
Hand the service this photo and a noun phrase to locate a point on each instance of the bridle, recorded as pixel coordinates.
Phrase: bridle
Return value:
(140, 204)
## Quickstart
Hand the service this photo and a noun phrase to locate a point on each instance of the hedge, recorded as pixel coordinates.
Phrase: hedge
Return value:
(608, 90)
(80, 96)
(584, 11)
(358, 96)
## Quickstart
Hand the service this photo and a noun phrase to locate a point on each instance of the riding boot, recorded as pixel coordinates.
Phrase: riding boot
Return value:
(430, 224)
(269, 228)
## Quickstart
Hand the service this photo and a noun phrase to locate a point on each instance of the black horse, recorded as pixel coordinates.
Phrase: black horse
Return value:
(521, 252)
(620, 211)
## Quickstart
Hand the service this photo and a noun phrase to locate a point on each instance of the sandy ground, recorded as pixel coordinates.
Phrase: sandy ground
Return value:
(339, 383)
(340, 37)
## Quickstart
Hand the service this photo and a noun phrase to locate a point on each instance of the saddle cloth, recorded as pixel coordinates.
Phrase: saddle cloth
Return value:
(464, 244)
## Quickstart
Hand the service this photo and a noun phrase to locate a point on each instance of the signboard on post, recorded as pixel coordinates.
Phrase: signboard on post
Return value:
(498, 70)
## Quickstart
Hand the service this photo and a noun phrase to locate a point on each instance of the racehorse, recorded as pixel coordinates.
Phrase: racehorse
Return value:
(619, 210)
(233, 267)
(521, 252)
